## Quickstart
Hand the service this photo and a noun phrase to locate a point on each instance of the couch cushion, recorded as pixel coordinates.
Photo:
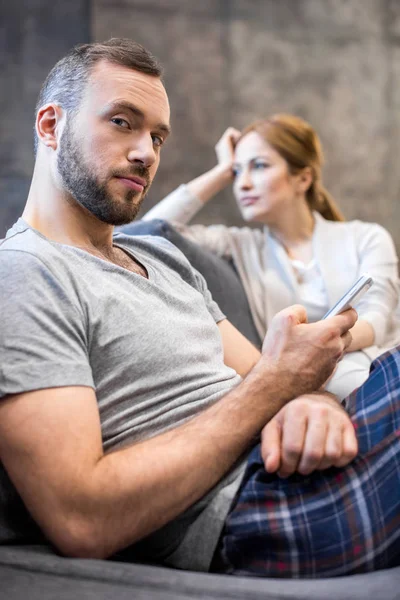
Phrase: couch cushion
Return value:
(37, 574)
(222, 280)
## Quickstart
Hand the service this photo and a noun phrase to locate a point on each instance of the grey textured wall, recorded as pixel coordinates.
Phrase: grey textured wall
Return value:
(334, 62)
(34, 34)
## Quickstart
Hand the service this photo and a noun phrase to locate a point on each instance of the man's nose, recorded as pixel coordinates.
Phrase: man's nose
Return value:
(143, 151)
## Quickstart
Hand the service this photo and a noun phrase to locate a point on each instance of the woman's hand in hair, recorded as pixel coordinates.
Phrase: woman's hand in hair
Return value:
(207, 185)
(225, 147)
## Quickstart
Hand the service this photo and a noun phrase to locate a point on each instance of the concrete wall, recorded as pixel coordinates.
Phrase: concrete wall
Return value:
(334, 62)
(34, 34)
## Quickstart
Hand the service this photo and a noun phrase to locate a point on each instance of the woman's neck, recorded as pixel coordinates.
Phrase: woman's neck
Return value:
(293, 228)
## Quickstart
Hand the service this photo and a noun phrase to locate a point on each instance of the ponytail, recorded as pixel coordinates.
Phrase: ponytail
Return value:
(320, 199)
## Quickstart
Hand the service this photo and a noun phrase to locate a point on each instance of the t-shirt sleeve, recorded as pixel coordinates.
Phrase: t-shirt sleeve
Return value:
(212, 306)
(43, 334)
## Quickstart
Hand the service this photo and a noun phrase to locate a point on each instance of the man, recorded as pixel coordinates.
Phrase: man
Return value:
(124, 423)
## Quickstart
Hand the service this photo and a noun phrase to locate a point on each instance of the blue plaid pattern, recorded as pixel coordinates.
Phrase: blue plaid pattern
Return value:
(333, 522)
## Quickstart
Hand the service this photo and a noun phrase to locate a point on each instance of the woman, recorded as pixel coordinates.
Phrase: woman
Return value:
(306, 253)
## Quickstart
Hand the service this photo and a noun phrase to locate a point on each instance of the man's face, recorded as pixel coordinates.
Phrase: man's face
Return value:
(109, 150)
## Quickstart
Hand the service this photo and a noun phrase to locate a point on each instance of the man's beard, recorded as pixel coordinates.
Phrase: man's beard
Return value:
(84, 187)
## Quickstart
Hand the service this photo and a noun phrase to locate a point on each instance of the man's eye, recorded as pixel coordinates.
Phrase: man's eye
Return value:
(120, 122)
(157, 140)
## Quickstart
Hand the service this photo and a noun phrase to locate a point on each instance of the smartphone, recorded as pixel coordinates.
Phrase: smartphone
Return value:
(350, 299)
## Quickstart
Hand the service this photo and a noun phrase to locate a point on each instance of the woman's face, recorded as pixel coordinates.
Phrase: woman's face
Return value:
(263, 186)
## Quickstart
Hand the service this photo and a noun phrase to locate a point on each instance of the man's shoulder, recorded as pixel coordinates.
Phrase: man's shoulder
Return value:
(29, 260)
(25, 247)
(23, 237)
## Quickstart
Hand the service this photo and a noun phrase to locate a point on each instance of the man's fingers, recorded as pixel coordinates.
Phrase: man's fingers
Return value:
(333, 447)
(349, 446)
(312, 433)
(271, 446)
(296, 314)
(345, 320)
(347, 339)
(293, 437)
(281, 327)
(341, 446)
(314, 447)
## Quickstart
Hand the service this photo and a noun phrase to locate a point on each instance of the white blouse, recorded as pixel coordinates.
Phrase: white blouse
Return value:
(342, 251)
(312, 290)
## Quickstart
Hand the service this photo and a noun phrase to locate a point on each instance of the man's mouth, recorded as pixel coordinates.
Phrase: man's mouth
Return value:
(133, 181)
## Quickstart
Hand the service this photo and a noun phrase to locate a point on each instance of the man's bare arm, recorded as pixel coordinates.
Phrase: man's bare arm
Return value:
(239, 353)
(91, 504)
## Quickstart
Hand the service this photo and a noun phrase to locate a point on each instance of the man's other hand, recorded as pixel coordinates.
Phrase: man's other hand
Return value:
(309, 433)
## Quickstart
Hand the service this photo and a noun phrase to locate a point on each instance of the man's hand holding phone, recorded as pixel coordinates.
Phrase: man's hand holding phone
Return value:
(312, 431)
(305, 354)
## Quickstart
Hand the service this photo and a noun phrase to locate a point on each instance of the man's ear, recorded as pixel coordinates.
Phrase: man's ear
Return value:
(305, 179)
(48, 124)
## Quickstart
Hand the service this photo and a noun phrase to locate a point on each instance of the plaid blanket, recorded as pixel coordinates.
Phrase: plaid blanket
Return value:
(333, 522)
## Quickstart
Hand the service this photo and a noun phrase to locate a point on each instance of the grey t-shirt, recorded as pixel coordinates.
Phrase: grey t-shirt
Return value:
(149, 347)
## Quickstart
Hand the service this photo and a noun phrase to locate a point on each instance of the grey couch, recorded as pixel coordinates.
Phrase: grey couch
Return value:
(38, 573)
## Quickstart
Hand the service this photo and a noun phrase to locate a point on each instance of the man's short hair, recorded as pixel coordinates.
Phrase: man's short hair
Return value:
(67, 80)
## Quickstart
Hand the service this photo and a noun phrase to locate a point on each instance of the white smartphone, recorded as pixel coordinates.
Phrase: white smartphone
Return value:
(350, 299)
